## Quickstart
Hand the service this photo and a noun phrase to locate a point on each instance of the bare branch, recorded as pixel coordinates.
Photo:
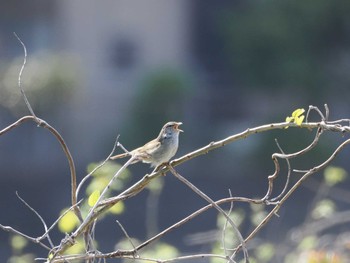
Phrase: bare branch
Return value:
(92, 215)
(38, 215)
(127, 235)
(123, 148)
(20, 75)
(275, 157)
(120, 254)
(57, 220)
(63, 144)
(96, 168)
(217, 207)
(224, 231)
(323, 118)
(288, 174)
(14, 231)
(195, 214)
(87, 226)
(42, 123)
(293, 188)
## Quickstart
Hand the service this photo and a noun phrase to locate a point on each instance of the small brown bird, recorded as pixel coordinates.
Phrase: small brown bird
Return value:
(159, 150)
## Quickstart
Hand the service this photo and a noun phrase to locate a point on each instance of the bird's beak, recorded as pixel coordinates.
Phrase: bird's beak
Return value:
(177, 127)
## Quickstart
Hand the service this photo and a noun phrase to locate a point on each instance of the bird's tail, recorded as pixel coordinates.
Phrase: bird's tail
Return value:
(118, 156)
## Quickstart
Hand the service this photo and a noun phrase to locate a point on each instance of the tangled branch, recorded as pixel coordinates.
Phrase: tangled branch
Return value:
(103, 204)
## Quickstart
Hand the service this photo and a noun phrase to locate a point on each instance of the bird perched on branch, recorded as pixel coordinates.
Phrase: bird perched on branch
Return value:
(158, 151)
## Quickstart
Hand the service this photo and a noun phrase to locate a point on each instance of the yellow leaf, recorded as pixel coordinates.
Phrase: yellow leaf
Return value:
(299, 120)
(93, 198)
(298, 112)
(68, 222)
(289, 119)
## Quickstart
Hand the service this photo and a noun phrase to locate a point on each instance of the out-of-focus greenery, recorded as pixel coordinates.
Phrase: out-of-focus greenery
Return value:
(160, 250)
(334, 175)
(68, 222)
(161, 99)
(18, 245)
(293, 44)
(98, 181)
(48, 79)
(300, 245)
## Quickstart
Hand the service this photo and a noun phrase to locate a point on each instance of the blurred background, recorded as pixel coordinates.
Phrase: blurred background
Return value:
(99, 69)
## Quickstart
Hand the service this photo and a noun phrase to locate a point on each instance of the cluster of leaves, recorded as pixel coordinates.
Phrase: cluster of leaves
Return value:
(297, 117)
(49, 76)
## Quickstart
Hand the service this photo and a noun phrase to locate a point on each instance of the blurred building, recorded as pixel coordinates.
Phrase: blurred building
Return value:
(114, 46)
(118, 42)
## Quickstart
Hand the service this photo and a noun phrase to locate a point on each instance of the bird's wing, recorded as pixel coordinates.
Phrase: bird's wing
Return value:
(150, 147)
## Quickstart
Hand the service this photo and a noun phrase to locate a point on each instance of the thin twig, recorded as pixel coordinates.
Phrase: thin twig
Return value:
(104, 191)
(184, 258)
(32, 239)
(293, 188)
(277, 156)
(223, 236)
(39, 216)
(127, 235)
(123, 148)
(120, 254)
(42, 123)
(92, 215)
(323, 118)
(195, 214)
(57, 220)
(20, 75)
(289, 171)
(217, 207)
(327, 112)
(96, 168)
